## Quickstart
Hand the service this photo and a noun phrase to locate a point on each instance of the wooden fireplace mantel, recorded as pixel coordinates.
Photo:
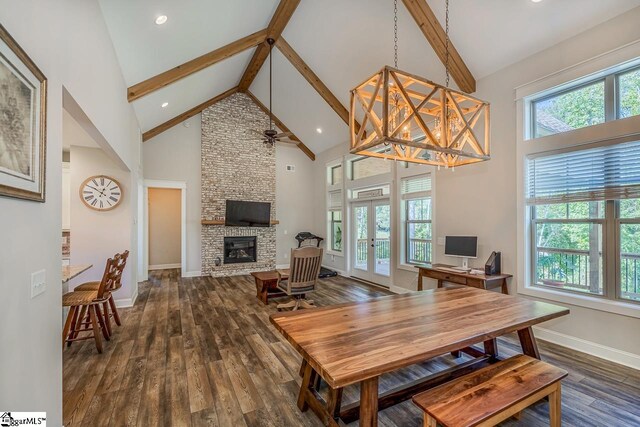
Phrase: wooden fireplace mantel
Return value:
(221, 222)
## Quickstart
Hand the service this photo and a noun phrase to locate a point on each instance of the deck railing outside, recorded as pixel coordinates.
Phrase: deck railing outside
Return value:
(570, 268)
(419, 250)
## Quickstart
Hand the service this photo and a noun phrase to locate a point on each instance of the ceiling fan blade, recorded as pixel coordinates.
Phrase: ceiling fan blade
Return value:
(283, 135)
(288, 141)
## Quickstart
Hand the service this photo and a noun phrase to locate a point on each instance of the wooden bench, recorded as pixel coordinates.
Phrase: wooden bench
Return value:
(493, 394)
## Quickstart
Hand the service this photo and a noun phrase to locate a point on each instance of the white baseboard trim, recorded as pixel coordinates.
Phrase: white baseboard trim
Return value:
(608, 353)
(127, 302)
(164, 266)
(192, 274)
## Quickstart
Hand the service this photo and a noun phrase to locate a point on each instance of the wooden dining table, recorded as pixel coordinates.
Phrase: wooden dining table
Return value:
(358, 342)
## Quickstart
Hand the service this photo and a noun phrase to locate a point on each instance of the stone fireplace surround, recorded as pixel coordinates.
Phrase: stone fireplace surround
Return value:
(236, 165)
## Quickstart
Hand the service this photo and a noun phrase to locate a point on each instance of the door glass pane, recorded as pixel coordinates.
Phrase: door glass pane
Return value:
(362, 236)
(567, 111)
(629, 96)
(569, 256)
(382, 243)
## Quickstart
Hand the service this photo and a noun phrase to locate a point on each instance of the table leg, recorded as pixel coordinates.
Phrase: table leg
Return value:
(369, 402)
(440, 283)
(505, 289)
(307, 380)
(528, 342)
(491, 347)
(420, 279)
(304, 365)
(333, 403)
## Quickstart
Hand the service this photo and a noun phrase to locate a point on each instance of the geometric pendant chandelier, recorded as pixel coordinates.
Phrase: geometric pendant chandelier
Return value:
(409, 118)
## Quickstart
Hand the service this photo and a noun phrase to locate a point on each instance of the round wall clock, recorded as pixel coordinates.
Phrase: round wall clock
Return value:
(101, 193)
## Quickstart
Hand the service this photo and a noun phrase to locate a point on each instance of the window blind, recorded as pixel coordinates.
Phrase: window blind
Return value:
(601, 173)
(335, 200)
(416, 184)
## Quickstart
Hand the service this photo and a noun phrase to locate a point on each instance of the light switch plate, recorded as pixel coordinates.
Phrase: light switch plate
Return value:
(38, 283)
(440, 241)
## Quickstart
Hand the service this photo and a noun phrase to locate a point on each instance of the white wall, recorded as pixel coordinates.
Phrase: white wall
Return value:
(68, 41)
(490, 187)
(96, 236)
(175, 156)
(295, 199)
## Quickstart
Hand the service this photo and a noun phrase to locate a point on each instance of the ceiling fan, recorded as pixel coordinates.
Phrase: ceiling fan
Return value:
(271, 136)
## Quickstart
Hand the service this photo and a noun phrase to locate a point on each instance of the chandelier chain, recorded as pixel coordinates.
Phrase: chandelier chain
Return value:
(395, 32)
(446, 62)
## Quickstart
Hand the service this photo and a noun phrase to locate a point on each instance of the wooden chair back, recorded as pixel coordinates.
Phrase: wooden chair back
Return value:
(121, 263)
(305, 267)
(110, 277)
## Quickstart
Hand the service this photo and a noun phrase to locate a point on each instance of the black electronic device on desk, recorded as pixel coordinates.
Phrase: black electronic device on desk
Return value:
(493, 265)
(305, 235)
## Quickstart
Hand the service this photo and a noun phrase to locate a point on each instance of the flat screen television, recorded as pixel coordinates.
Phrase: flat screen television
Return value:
(247, 214)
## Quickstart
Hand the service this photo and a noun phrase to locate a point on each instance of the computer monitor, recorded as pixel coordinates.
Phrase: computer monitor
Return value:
(464, 247)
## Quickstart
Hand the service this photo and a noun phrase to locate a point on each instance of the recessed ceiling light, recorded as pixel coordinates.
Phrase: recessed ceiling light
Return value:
(165, 105)
(161, 19)
(319, 130)
(536, 1)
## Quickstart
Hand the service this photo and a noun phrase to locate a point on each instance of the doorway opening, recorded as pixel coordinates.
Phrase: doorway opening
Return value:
(165, 225)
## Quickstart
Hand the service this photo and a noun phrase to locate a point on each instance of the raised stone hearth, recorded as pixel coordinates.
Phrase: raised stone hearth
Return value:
(236, 165)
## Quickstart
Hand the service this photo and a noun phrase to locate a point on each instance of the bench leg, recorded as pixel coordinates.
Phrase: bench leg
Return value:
(430, 421)
(555, 407)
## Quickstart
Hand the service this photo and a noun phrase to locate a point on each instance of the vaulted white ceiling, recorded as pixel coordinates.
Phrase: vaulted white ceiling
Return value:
(343, 42)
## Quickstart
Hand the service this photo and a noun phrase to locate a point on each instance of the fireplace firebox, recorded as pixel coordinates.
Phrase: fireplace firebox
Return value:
(240, 249)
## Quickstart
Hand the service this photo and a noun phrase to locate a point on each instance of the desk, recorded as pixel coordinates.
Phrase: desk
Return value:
(267, 284)
(481, 281)
(358, 342)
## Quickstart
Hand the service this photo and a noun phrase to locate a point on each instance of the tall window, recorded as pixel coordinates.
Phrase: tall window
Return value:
(335, 220)
(416, 199)
(364, 167)
(609, 97)
(585, 220)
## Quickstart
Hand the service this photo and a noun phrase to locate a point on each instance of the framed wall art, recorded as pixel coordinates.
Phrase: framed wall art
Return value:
(23, 118)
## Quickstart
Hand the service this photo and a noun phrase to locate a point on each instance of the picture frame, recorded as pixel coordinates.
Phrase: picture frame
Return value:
(23, 123)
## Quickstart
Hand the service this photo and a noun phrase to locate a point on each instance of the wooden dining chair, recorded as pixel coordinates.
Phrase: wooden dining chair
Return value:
(121, 262)
(303, 277)
(88, 303)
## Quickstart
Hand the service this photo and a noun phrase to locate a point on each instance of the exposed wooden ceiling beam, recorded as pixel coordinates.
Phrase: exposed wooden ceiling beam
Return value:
(283, 127)
(314, 80)
(181, 71)
(184, 116)
(274, 30)
(435, 34)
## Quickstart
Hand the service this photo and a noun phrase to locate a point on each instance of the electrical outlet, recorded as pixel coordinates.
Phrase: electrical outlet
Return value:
(38, 283)
(286, 255)
(286, 232)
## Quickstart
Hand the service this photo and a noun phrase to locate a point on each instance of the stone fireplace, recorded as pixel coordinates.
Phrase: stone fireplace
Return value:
(236, 165)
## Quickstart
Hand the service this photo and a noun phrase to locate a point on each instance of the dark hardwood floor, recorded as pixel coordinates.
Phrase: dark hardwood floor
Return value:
(201, 352)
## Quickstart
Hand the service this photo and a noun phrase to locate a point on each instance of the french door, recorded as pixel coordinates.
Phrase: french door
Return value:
(371, 241)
